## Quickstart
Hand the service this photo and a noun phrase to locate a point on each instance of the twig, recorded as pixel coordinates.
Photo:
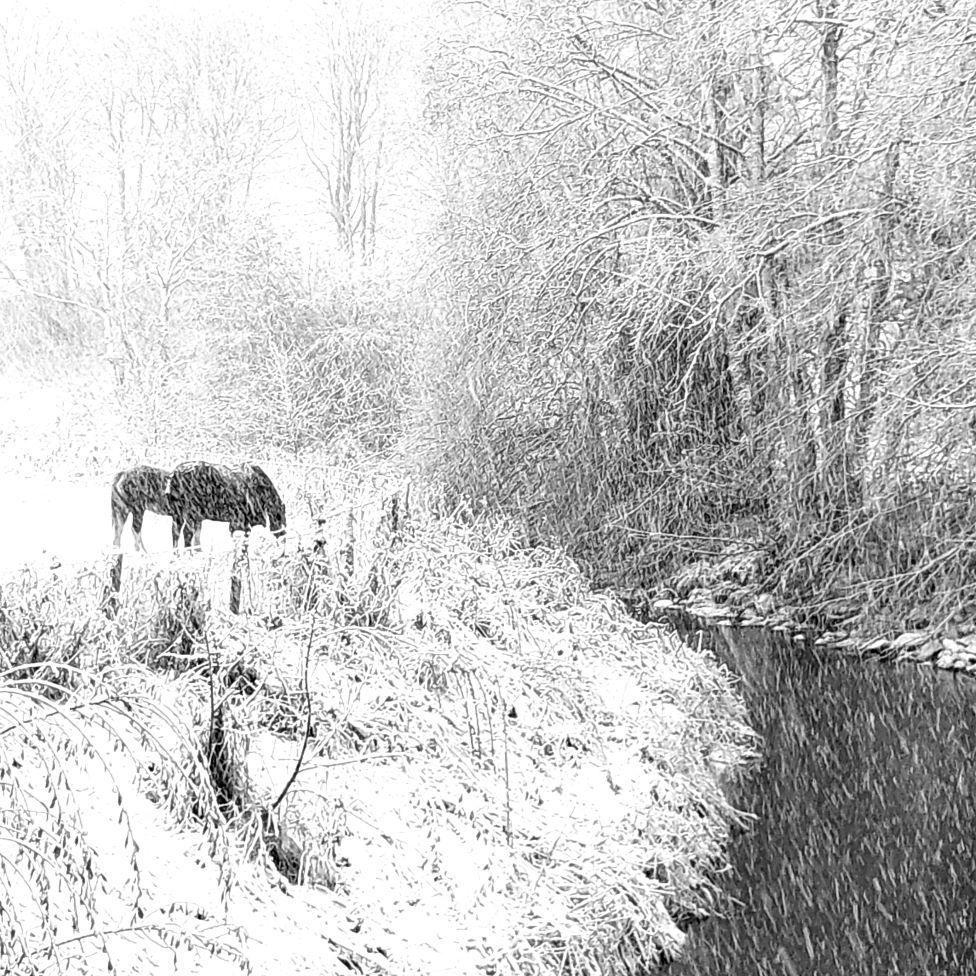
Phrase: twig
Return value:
(366, 757)
(508, 788)
(308, 720)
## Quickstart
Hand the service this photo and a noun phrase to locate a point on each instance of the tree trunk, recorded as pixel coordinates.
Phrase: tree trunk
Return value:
(834, 344)
(880, 290)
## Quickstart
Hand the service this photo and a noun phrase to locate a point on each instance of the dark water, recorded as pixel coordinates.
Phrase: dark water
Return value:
(863, 858)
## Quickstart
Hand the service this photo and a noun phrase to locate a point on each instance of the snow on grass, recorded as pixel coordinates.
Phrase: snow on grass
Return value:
(505, 772)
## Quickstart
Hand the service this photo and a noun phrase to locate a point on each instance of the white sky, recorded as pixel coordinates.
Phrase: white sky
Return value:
(106, 14)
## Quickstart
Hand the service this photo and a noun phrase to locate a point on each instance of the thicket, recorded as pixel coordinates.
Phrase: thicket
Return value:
(456, 754)
(711, 274)
(154, 169)
(700, 274)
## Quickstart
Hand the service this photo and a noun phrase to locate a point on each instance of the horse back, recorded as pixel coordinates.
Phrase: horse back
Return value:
(242, 495)
(202, 489)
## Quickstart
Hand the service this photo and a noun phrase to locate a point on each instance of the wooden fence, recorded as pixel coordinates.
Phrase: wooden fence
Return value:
(345, 542)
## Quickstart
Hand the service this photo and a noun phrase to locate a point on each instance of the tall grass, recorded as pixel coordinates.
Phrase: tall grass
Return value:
(476, 758)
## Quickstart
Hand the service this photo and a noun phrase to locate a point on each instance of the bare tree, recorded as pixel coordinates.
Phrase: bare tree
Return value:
(743, 228)
(42, 112)
(347, 125)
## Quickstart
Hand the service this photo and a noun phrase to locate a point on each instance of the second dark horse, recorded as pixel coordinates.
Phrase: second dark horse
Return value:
(136, 491)
(243, 496)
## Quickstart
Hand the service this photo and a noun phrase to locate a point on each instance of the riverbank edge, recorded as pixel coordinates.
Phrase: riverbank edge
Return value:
(724, 591)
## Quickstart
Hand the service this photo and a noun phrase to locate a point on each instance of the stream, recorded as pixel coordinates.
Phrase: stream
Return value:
(863, 855)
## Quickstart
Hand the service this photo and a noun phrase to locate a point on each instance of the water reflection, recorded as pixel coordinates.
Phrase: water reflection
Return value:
(863, 856)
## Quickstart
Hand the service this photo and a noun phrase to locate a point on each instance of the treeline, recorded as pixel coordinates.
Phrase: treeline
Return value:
(716, 270)
(190, 230)
(648, 276)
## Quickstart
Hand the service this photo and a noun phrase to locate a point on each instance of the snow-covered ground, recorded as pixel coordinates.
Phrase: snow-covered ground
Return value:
(70, 521)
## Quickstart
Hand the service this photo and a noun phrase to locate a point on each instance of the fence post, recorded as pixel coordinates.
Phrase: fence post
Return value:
(349, 548)
(240, 557)
(115, 573)
(115, 584)
(397, 513)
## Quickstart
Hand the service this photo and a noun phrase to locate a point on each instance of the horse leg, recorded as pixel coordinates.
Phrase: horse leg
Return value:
(176, 529)
(137, 515)
(118, 524)
(196, 535)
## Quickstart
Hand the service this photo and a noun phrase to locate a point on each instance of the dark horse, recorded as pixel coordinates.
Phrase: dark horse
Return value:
(134, 492)
(243, 496)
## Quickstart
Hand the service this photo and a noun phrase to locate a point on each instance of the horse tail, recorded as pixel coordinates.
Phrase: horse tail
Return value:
(120, 506)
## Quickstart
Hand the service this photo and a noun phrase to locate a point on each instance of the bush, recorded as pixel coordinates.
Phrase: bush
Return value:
(477, 759)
